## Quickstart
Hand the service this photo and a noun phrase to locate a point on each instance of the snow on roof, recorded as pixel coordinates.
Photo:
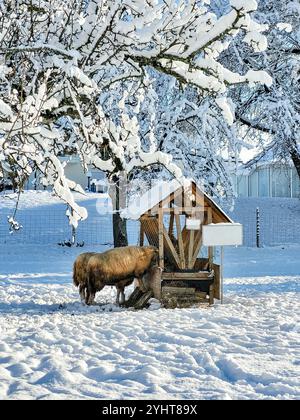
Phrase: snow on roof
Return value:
(150, 198)
(98, 182)
(158, 193)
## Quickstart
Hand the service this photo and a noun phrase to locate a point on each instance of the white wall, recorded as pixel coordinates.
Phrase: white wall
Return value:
(269, 181)
(73, 171)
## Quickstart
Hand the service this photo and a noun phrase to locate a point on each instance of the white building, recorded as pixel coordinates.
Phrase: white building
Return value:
(268, 179)
(75, 172)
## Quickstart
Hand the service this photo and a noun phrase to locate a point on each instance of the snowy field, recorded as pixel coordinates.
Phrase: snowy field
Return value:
(53, 347)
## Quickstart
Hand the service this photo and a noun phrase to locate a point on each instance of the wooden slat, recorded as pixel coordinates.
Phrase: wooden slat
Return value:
(185, 238)
(171, 246)
(151, 228)
(171, 225)
(217, 215)
(143, 300)
(142, 234)
(188, 196)
(180, 242)
(166, 202)
(217, 281)
(191, 249)
(161, 239)
(198, 243)
(183, 210)
(179, 290)
(210, 248)
(186, 276)
(211, 295)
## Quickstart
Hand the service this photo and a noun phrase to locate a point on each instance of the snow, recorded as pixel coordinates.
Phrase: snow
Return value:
(115, 54)
(141, 204)
(247, 6)
(5, 109)
(53, 347)
(262, 77)
(287, 27)
(226, 110)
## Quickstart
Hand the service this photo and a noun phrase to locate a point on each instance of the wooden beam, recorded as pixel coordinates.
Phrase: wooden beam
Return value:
(202, 275)
(179, 210)
(168, 200)
(210, 248)
(171, 246)
(198, 242)
(171, 226)
(211, 294)
(183, 210)
(191, 249)
(141, 234)
(217, 281)
(161, 239)
(180, 242)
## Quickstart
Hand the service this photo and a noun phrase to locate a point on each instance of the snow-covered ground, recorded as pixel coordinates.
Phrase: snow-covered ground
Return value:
(53, 347)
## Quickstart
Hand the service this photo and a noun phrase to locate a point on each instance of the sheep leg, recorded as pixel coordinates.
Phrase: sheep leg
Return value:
(120, 291)
(141, 284)
(90, 293)
(118, 296)
(122, 297)
(82, 293)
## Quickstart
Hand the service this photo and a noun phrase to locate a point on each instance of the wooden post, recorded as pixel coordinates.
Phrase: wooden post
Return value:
(191, 249)
(141, 234)
(211, 295)
(180, 242)
(257, 228)
(222, 274)
(210, 249)
(198, 243)
(168, 241)
(171, 226)
(161, 237)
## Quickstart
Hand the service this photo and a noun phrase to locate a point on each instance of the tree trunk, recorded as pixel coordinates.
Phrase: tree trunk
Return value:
(292, 148)
(295, 155)
(120, 231)
(119, 224)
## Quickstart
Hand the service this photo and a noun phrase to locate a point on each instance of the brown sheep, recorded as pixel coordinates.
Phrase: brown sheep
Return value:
(118, 265)
(80, 277)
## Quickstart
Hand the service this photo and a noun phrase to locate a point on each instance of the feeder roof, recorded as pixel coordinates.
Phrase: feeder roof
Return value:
(161, 191)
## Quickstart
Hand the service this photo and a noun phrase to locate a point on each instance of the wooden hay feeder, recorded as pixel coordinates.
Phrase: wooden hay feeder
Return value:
(172, 220)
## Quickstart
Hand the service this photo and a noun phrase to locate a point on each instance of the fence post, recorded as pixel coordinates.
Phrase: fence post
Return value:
(73, 240)
(257, 227)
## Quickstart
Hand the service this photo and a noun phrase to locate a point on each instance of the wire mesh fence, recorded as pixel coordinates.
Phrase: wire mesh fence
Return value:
(279, 224)
(279, 220)
(43, 227)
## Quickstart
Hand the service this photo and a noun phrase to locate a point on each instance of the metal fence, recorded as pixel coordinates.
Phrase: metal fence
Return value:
(279, 224)
(279, 220)
(44, 227)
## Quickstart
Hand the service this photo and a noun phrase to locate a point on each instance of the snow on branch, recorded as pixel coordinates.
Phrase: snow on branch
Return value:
(79, 78)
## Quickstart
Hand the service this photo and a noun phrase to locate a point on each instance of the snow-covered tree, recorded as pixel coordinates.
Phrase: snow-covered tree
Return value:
(191, 127)
(271, 114)
(73, 76)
